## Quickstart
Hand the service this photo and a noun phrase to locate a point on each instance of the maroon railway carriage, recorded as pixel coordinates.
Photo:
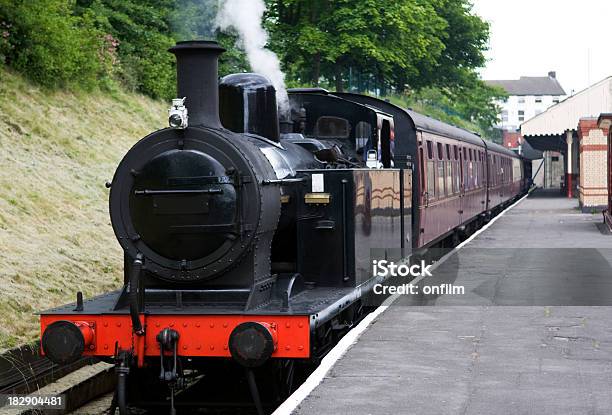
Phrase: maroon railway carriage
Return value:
(462, 178)
(453, 186)
(458, 178)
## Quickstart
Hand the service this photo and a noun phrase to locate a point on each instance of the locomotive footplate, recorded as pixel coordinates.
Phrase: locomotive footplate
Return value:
(203, 331)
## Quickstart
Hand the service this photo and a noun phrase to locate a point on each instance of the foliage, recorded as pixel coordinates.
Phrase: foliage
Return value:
(322, 39)
(429, 49)
(465, 38)
(44, 40)
(414, 47)
(471, 108)
(143, 31)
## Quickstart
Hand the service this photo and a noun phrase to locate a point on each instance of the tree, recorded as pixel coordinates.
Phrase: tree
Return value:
(322, 39)
(51, 45)
(465, 38)
(143, 30)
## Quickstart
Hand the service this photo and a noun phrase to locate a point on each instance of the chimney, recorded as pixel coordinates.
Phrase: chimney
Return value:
(552, 74)
(197, 67)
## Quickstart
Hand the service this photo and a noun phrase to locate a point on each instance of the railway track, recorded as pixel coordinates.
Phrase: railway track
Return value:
(24, 371)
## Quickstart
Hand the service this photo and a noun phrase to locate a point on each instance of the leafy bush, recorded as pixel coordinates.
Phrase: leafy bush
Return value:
(143, 31)
(5, 42)
(47, 43)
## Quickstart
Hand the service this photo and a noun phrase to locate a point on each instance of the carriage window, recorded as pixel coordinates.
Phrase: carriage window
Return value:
(449, 177)
(431, 180)
(429, 150)
(441, 191)
(471, 174)
(456, 153)
(448, 152)
(466, 176)
(440, 154)
(363, 133)
(471, 158)
(496, 170)
(457, 176)
(332, 127)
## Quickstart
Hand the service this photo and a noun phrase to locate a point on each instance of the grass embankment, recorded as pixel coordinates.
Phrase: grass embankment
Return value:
(437, 113)
(57, 149)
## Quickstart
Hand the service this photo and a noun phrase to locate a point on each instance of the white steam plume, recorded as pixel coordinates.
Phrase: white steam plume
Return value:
(245, 16)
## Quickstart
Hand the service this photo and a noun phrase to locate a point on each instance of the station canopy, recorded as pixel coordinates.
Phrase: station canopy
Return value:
(548, 130)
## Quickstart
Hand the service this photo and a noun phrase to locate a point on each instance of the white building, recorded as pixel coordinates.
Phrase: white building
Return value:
(528, 96)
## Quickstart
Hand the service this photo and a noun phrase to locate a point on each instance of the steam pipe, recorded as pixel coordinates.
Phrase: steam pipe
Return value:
(197, 71)
(134, 303)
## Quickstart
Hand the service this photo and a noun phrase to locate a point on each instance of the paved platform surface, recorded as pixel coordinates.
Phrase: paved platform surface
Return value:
(531, 335)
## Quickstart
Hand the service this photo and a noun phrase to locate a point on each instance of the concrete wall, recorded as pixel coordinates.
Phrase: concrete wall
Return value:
(551, 173)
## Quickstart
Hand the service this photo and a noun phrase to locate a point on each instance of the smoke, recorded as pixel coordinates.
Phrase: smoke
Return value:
(194, 19)
(246, 18)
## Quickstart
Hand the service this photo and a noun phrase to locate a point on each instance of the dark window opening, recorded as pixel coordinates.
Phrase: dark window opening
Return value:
(385, 144)
(332, 127)
(363, 134)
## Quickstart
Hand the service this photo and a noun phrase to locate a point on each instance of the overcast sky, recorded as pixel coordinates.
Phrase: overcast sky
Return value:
(533, 37)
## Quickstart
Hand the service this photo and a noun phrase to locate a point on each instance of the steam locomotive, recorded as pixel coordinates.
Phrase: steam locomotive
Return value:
(247, 236)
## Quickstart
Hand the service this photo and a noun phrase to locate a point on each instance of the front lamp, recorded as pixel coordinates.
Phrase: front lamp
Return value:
(177, 114)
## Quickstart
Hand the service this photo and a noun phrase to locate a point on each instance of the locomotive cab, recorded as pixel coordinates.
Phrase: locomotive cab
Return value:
(354, 128)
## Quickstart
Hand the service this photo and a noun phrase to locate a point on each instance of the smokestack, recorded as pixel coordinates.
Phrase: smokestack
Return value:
(552, 74)
(197, 72)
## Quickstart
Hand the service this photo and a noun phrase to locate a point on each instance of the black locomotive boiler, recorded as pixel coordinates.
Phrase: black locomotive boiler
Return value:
(247, 236)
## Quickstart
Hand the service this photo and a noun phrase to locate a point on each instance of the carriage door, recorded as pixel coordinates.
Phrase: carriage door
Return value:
(461, 185)
(490, 179)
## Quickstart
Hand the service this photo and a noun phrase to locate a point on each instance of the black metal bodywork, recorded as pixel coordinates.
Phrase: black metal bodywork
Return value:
(364, 217)
(247, 103)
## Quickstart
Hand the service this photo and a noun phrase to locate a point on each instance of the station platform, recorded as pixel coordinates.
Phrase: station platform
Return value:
(532, 333)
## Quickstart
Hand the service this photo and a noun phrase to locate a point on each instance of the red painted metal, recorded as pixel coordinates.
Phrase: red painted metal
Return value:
(87, 330)
(200, 335)
(273, 332)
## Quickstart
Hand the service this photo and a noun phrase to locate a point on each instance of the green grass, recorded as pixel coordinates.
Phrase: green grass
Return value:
(57, 149)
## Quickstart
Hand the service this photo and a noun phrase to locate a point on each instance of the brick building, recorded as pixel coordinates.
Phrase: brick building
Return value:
(593, 150)
(605, 123)
(512, 139)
